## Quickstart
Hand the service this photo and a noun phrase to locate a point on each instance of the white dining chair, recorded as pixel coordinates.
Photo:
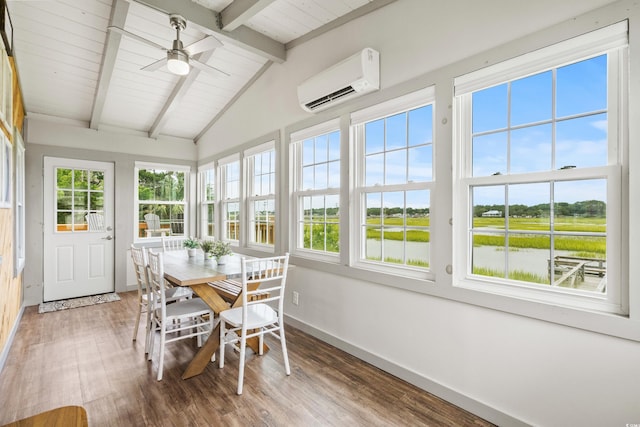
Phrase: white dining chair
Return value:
(172, 243)
(177, 321)
(255, 317)
(139, 257)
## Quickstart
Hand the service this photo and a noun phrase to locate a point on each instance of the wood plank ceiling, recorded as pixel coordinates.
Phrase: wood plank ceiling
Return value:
(72, 68)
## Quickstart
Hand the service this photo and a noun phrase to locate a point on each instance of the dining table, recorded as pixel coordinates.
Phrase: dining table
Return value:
(214, 284)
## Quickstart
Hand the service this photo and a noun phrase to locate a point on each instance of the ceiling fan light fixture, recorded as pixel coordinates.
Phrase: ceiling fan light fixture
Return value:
(178, 62)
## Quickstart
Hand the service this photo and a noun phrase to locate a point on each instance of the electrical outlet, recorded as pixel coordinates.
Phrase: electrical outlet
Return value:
(296, 298)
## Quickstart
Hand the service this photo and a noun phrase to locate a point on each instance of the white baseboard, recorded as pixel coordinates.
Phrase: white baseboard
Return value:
(450, 395)
(9, 343)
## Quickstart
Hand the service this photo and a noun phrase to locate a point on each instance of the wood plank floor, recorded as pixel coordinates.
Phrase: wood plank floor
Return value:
(85, 356)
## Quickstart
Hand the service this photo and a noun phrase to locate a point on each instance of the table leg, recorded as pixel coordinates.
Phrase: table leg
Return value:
(203, 356)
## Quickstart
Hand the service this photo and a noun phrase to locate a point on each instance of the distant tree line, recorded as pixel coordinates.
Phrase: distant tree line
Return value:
(411, 212)
(587, 208)
(414, 212)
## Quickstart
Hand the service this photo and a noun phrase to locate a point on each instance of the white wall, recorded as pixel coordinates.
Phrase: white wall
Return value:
(509, 368)
(48, 138)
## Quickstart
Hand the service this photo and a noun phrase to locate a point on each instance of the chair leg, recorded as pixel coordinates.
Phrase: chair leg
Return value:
(162, 343)
(152, 338)
(222, 344)
(148, 332)
(285, 355)
(135, 329)
(243, 348)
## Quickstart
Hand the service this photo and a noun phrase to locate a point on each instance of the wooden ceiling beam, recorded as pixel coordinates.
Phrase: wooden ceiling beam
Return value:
(119, 11)
(179, 91)
(240, 11)
(209, 21)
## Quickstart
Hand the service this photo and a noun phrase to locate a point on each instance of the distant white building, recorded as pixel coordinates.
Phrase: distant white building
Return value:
(493, 213)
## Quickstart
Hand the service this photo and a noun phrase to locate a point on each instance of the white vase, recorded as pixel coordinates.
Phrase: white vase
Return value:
(222, 260)
(191, 252)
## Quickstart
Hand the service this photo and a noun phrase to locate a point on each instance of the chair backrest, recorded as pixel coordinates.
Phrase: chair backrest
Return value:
(153, 221)
(156, 281)
(270, 274)
(95, 221)
(172, 243)
(139, 257)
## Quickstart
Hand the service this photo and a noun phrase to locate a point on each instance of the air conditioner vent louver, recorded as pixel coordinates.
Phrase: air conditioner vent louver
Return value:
(330, 98)
(351, 77)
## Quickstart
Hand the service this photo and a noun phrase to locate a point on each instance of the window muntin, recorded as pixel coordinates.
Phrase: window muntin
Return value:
(542, 122)
(395, 146)
(541, 165)
(230, 199)
(78, 192)
(261, 199)
(162, 190)
(516, 230)
(208, 201)
(316, 191)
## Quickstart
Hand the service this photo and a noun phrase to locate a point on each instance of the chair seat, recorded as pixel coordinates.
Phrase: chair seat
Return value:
(193, 306)
(258, 315)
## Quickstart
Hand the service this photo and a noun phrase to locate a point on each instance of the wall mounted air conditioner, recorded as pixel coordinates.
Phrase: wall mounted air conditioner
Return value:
(347, 79)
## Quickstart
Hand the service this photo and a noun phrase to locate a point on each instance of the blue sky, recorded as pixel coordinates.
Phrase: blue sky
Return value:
(523, 140)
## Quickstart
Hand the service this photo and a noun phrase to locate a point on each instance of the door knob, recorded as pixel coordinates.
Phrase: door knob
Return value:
(108, 238)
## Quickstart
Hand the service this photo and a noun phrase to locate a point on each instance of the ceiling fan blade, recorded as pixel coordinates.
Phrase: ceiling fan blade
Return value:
(136, 37)
(155, 65)
(207, 43)
(208, 68)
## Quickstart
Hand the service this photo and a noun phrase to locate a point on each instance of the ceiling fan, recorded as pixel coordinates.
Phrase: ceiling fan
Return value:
(179, 59)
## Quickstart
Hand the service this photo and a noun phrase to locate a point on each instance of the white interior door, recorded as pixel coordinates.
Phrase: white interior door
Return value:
(78, 228)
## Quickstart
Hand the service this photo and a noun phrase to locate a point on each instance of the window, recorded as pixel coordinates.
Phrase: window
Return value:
(5, 171)
(19, 205)
(161, 195)
(78, 192)
(316, 190)
(541, 172)
(261, 194)
(394, 180)
(208, 201)
(230, 198)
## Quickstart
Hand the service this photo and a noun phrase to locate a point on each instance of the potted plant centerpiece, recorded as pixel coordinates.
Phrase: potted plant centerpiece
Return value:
(220, 251)
(191, 244)
(207, 246)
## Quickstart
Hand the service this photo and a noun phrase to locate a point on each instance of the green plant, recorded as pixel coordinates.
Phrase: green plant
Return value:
(191, 243)
(220, 248)
(206, 245)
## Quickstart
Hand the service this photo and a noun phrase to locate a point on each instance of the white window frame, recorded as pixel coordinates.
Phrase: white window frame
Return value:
(225, 200)
(252, 198)
(611, 40)
(203, 171)
(137, 202)
(19, 203)
(359, 118)
(298, 193)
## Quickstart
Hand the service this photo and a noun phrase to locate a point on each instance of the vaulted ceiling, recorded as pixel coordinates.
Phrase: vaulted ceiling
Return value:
(73, 68)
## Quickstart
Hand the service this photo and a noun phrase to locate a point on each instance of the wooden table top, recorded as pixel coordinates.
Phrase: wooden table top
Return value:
(183, 270)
